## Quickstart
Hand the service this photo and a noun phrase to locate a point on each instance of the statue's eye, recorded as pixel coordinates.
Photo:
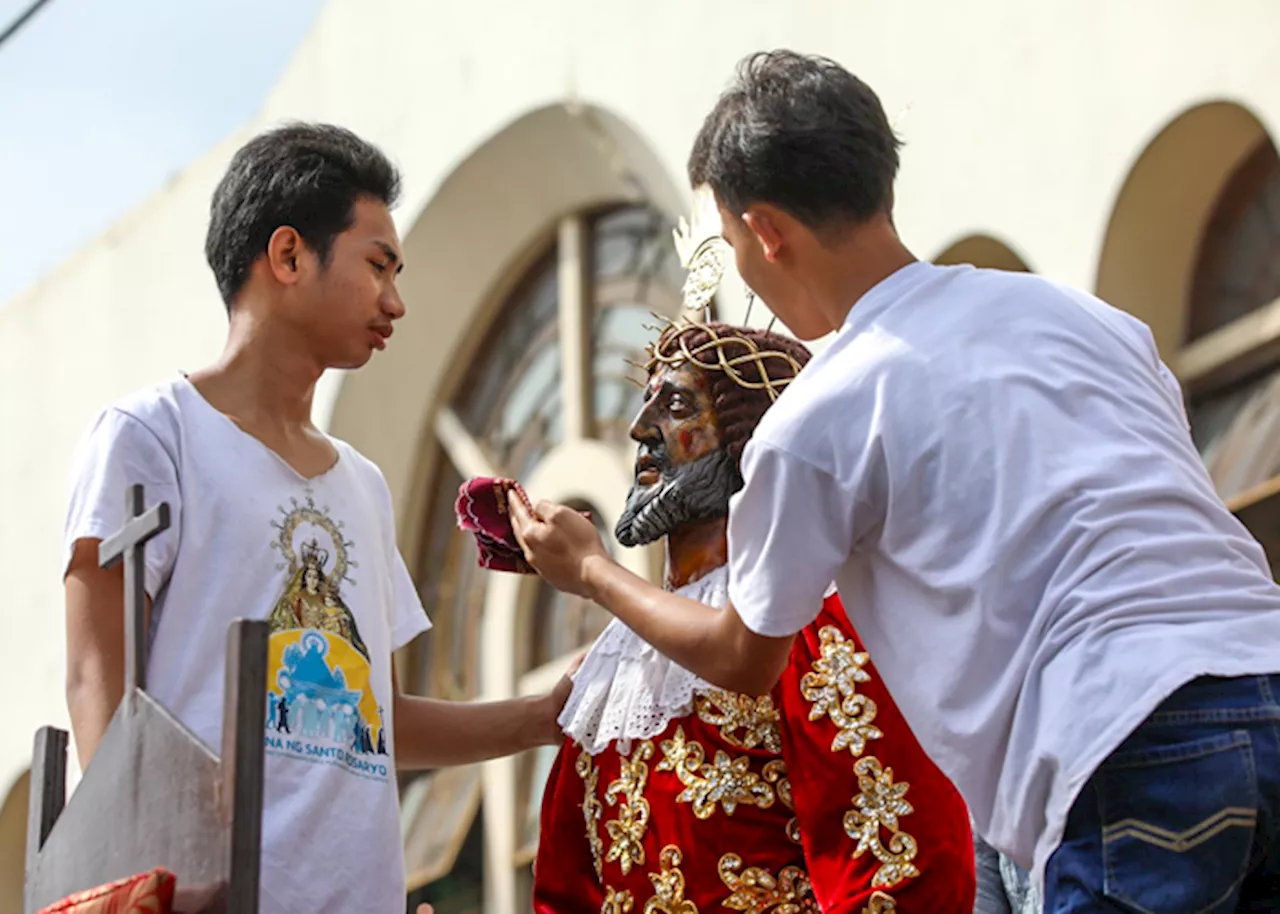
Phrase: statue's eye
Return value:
(678, 406)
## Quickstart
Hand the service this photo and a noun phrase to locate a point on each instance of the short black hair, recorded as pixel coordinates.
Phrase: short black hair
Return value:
(802, 133)
(308, 176)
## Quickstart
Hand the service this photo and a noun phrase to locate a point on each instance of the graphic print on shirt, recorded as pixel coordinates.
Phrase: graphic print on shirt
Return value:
(320, 702)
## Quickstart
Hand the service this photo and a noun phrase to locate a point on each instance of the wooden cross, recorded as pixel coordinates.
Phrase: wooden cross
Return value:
(129, 544)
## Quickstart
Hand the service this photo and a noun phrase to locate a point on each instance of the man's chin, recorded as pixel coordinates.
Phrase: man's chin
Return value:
(351, 361)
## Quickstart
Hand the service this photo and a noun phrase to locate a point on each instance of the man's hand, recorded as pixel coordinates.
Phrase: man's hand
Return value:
(431, 733)
(551, 704)
(559, 543)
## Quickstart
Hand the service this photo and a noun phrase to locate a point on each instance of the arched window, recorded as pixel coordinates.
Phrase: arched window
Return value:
(551, 373)
(1239, 265)
(1235, 408)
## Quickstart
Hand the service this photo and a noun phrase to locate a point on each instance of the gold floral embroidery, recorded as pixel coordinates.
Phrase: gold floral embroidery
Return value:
(757, 891)
(617, 902)
(880, 903)
(878, 806)
(668, 886)
(775, 773)
(627, 831)
(832, 689)
(757, 718)
(591, 808)
(724, 781)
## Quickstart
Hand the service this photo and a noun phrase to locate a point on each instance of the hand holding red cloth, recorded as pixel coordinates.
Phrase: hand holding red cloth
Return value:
(482, 511)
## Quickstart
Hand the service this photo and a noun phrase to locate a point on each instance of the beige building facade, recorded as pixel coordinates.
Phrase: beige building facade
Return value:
(1127, 149)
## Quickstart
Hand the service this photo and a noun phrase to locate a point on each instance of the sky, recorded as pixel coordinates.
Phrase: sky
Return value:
(102, 101)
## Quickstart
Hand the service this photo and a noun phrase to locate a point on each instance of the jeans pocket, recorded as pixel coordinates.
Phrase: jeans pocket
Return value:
(1178, 824)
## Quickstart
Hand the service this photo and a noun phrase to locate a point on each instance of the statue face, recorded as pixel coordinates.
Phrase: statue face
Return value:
(683, 473)
(311, 579)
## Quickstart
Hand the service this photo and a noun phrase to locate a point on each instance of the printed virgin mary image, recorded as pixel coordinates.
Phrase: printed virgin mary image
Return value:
(313, 601)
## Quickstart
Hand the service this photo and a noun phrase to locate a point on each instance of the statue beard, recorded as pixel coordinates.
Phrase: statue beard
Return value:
(685, 494)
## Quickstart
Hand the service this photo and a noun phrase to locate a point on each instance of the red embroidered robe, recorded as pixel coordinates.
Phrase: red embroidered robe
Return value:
(816, 797)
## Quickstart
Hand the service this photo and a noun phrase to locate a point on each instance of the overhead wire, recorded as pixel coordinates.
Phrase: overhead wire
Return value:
(12, 28)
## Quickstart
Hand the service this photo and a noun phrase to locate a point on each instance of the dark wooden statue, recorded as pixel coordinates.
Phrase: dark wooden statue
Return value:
(154, 794)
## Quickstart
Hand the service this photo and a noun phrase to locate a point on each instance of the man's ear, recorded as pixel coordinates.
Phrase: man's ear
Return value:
(285, 250)
(765, 224)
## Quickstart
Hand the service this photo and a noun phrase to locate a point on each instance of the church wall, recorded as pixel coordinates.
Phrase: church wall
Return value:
(13, 841)
(1019, 125)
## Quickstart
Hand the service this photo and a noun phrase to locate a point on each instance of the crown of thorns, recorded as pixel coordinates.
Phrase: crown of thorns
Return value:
(672, 348)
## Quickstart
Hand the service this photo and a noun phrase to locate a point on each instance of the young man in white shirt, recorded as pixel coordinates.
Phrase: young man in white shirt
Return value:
(273, 519)
(997, 473)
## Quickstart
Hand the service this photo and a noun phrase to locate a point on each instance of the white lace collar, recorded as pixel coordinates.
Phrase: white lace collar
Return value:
(627, 690)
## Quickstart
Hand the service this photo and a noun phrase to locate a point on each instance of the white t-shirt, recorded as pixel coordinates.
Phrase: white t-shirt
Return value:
(251, 538)
(997, 473)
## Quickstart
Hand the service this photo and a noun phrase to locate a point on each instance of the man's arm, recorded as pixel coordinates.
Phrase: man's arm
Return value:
(95, 646)
(431, 733)
(791, 527)
(118, 451)
(713, 644)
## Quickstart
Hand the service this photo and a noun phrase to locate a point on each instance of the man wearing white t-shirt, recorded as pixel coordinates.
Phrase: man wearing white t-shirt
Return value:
(997, 473)
(273, 519)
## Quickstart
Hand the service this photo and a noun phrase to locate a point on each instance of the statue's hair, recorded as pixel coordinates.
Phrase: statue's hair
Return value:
(747, 369)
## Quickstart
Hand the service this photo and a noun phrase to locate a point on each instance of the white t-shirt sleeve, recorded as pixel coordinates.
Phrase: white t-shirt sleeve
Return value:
(409, 619)
(1175, 391)
(120, 451)
(1167, 378)
(790, 529)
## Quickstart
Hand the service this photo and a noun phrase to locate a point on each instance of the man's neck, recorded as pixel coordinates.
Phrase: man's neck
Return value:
(696, 550)
(262, 379)
(852, 265)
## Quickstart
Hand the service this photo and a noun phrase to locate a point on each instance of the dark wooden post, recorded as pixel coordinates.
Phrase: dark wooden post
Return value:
(48, 786)
(243, 723)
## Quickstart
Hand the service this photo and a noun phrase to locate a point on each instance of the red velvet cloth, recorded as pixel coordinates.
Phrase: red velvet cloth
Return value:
(881, 828)
(146, 892)
(482, 511)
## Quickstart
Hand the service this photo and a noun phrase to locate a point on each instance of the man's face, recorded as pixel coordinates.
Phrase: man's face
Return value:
(683, 473)
(345, 308)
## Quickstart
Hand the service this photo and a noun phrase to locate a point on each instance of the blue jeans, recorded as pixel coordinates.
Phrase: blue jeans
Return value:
(1184, 817)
